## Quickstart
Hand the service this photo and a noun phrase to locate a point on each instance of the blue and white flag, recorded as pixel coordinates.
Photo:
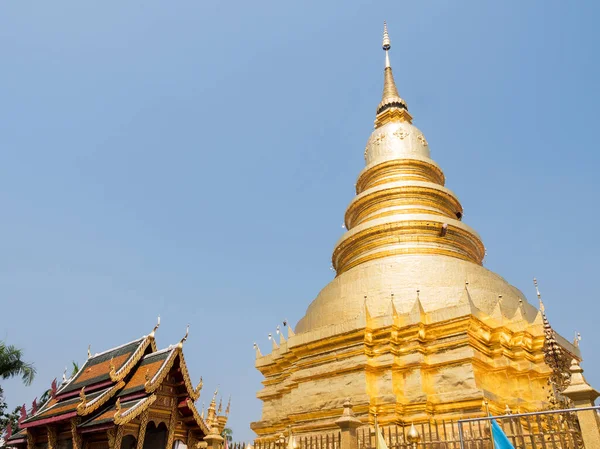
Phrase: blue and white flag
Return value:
(501, 441)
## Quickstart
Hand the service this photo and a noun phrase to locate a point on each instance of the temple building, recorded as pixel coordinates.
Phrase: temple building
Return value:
(129, 397)
(412, 327)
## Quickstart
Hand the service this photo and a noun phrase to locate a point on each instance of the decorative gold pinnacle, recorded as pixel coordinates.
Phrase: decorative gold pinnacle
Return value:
(155, 327)
(185, 337)
(392, 107)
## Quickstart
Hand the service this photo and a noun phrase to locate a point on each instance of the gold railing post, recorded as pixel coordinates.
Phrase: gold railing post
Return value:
(583, 395)
(348, 423)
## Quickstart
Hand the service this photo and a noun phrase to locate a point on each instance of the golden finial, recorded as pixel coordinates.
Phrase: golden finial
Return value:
(155, 327)
(537, 291)
(390, 97)
(89, 351)
(228, 407)
(187, 332)
(386, 37)
(199, 387)
(413, 436)
(215, 395)
(111, 368)
(257, 350)
(220, 409)
(82, 395)
(118, 406)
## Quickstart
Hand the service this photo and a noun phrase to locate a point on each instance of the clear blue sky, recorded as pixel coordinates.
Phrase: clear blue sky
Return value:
(194, 159)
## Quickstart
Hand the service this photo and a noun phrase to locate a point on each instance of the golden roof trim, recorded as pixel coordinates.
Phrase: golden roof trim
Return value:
(194, 393)
(199, 420)
(152, 384)
(117, 375)
(85, 408)
(121, 418)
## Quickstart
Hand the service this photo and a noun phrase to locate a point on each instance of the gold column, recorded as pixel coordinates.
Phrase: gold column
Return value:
(75, 435)
(52, 443)
(142, 430)
(583, 395)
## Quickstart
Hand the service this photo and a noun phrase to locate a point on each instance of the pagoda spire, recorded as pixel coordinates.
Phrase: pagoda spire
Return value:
(389, 85)
(390, 98)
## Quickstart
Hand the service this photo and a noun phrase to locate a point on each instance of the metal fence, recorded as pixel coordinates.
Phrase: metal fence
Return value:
(553, 429)
(330, 440)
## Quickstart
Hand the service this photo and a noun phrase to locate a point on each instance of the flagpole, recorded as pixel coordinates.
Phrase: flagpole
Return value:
(487, 410)
(376, 431)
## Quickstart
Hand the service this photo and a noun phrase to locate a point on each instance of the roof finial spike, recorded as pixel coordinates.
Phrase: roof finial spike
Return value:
(89, 351)
(537, 291)
(577, 339)
(155, 327)
(187, 332)
(386, 44)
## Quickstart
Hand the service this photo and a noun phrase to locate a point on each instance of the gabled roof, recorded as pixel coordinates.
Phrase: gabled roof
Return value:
(115, 386)
(109, 366)
(155, 367)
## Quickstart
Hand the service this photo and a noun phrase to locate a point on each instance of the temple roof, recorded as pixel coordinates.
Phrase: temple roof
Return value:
(109, 366)
(118, 384)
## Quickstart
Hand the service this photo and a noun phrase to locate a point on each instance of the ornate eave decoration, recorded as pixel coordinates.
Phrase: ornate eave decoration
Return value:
(121, 418)
(86, 407)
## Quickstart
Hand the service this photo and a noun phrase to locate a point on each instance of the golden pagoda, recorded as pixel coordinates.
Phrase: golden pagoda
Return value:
(413, 327)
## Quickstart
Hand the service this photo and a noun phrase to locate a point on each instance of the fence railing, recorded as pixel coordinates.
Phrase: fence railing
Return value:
(552, 429)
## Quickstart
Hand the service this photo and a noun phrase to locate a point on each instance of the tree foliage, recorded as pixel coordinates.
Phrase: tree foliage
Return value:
(12, 364)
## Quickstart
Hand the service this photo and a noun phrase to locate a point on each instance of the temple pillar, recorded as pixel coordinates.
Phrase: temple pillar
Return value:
(583, 395)
(52, 440)
(348, 423)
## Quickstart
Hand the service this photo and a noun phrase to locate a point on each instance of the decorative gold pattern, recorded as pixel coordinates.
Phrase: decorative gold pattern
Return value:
(133, 412)
(75, 436)
(52, 439)
(401, 134)
(116, 376)
(30, 440)
(110, 435)
(85, 407)
(171, 427)
(142, 430)
(200, 421)
(119, 436)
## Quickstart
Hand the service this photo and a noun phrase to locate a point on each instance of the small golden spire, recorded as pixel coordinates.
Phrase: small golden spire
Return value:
(386, 44)
(390, 100)
(220, 409)
(537, 291)
(389, 86)
(228, 407)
